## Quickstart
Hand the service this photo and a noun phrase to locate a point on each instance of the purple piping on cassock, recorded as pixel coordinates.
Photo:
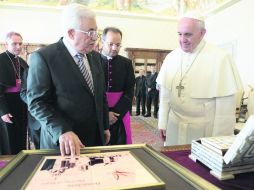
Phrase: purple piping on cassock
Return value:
(113, 98)
(14, 89)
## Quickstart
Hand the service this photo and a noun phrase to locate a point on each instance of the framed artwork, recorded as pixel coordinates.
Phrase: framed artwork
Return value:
(108, 170)
(165, 8)
(109, 167)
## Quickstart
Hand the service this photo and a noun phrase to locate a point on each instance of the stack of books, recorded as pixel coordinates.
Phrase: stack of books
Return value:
(227, 155)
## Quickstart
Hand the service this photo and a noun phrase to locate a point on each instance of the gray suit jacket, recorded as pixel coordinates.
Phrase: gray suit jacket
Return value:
(60, 99)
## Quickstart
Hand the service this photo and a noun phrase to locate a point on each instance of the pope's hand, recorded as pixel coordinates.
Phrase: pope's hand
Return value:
(163, 134)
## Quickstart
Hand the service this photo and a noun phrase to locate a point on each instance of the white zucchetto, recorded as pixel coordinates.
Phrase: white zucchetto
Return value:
(194, 15)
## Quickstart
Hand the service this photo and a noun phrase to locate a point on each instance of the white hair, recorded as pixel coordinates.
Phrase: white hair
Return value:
(196, 16)
(201, 24)
(73, 14)
(10, 34)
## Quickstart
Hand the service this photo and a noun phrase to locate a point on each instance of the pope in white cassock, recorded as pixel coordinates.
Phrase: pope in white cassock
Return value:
(198, 86)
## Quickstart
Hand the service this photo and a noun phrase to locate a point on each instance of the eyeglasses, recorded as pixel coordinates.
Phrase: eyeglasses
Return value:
(112, 44)
(91, 33)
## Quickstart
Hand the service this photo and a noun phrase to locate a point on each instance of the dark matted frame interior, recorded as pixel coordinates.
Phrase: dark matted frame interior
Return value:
(170, 175)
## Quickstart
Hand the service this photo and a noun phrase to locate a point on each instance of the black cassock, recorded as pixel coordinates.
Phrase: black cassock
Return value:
(119, 77)
(12, 136)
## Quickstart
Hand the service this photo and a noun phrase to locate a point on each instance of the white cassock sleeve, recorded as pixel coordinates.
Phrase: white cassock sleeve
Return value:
(164, 108)
(224, 121)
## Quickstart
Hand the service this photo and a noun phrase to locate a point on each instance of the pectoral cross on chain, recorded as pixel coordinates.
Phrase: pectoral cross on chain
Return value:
(179, 88)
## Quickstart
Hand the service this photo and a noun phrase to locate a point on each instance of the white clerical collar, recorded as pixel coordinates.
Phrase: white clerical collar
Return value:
(108, 57)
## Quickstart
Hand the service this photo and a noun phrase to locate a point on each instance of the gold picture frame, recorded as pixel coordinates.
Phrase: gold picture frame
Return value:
(168, 173)
(100, 171)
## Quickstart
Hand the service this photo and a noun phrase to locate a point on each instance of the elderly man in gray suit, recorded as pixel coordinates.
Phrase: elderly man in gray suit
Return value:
(65, 89)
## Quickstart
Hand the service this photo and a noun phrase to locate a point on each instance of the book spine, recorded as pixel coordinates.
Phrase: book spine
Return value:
(212, 160)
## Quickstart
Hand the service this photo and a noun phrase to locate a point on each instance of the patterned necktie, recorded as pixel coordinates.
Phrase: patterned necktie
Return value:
(84, 70)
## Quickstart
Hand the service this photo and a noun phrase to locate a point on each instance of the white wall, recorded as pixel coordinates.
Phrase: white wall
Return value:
(143, 32)
(35, 25)
(41, 25)
(234, 26)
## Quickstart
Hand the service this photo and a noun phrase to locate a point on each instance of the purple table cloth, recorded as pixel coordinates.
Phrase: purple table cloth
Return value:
(241, 182)
(2, 164)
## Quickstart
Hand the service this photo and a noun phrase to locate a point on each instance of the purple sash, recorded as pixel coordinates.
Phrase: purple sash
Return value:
(113, 98)
(14, 89)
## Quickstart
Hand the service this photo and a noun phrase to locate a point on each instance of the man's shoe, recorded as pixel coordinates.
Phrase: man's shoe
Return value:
(147, 115)
(137, 114)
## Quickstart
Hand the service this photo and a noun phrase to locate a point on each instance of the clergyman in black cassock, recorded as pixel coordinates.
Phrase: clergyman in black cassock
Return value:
(119, 77)
(13, 110)
(119, 82)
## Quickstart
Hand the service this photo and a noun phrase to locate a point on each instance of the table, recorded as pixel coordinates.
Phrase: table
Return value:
(20, 169)
(180, 154)
(4, 159)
